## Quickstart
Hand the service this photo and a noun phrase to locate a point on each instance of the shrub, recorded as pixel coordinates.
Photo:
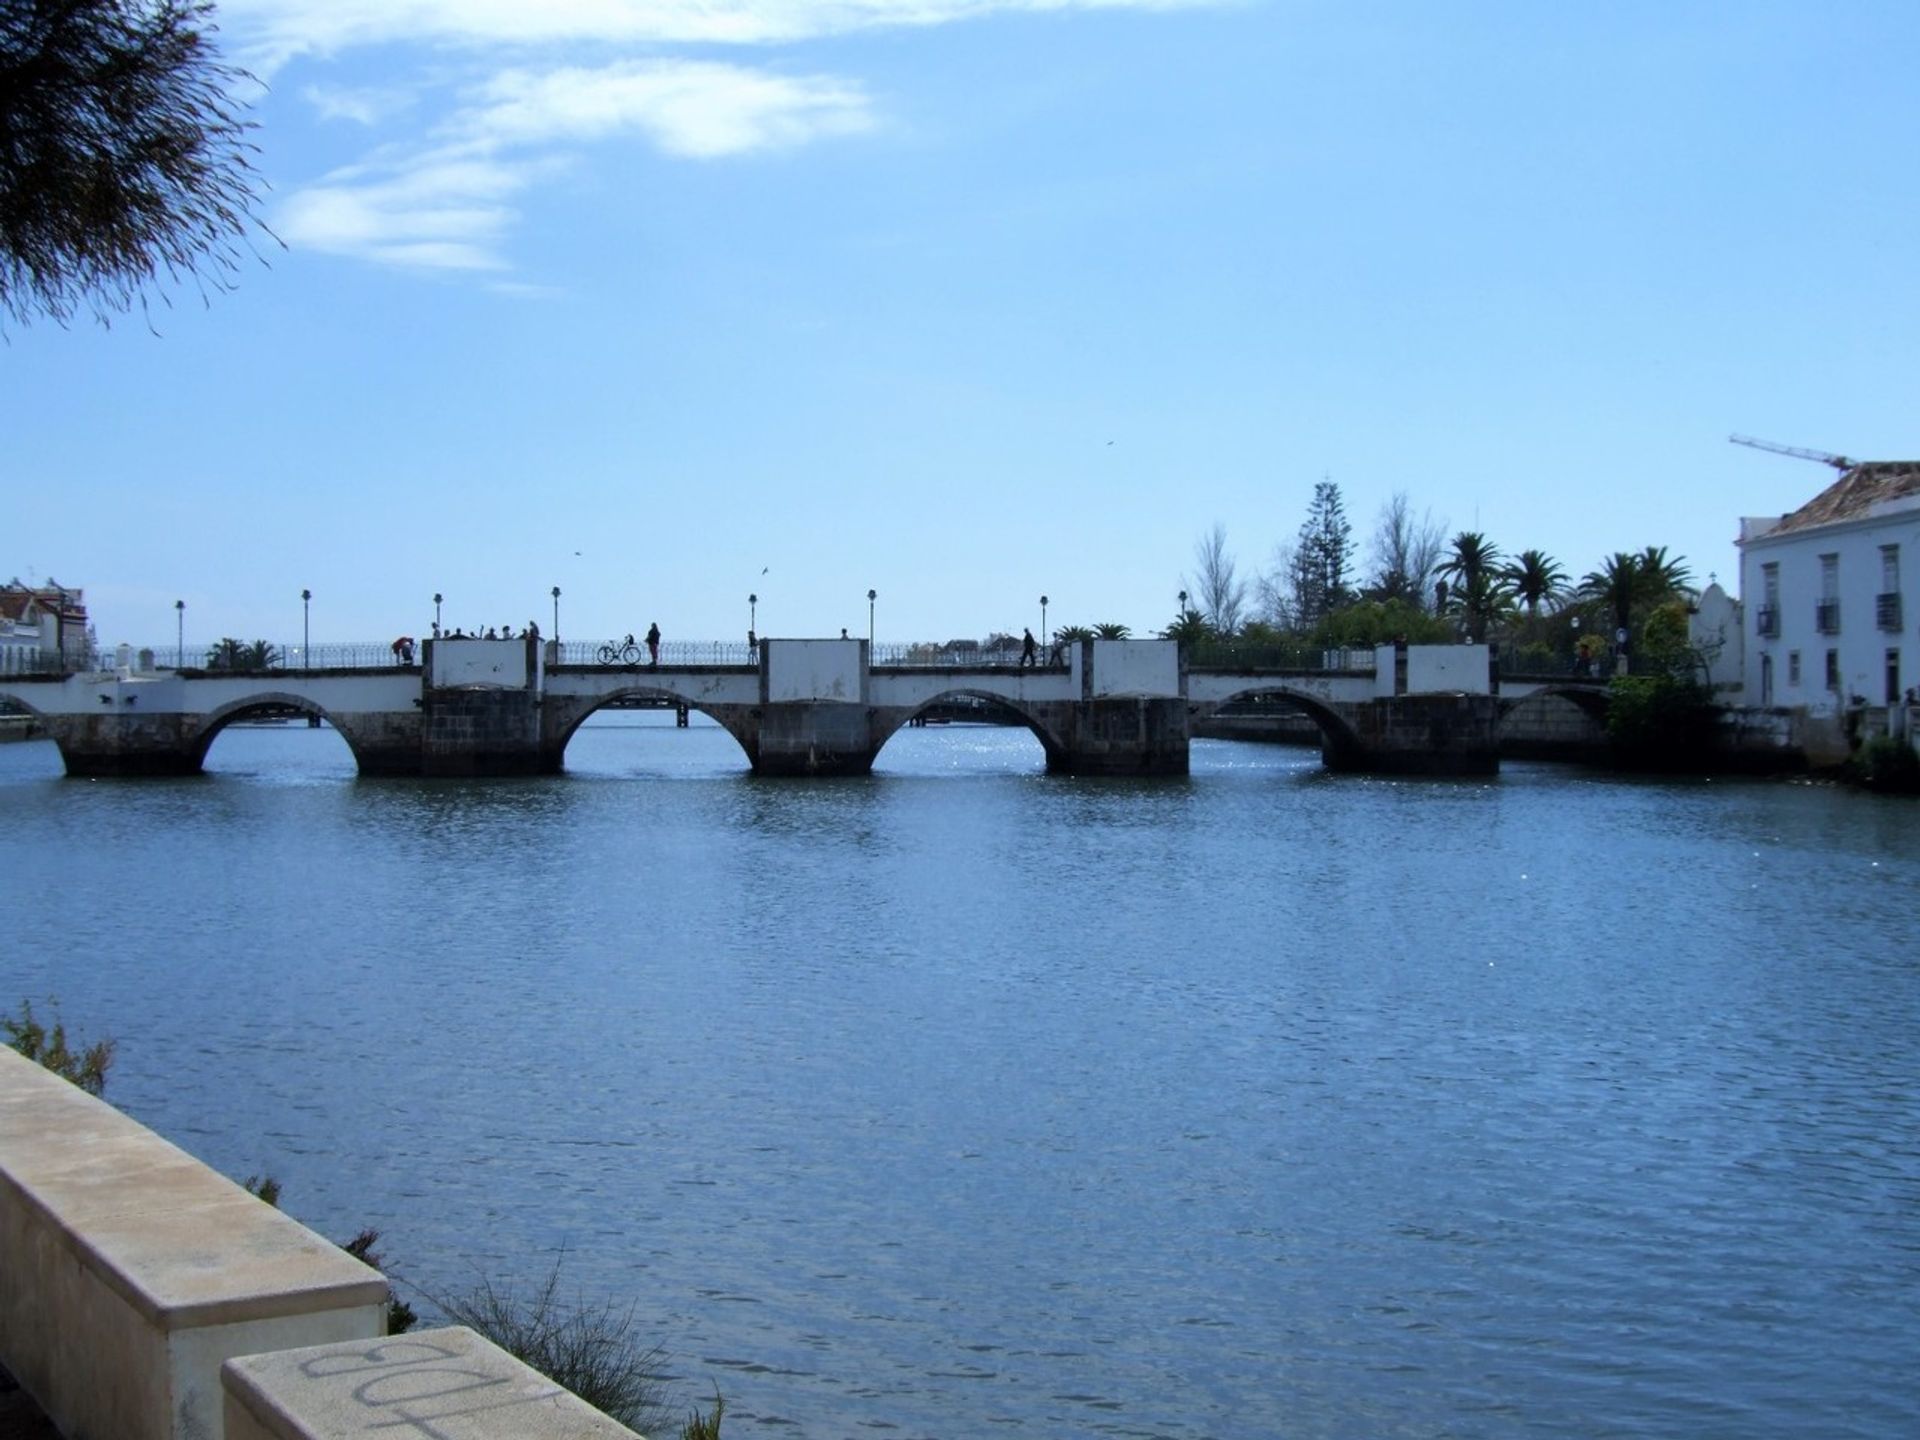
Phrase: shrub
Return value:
(1888, 764)
(86, 1067)
(591, 1348)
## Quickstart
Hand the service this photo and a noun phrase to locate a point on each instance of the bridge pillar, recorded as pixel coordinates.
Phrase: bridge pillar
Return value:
(1417, 735)
(126, 744)
(1119, 736)
(813, 737)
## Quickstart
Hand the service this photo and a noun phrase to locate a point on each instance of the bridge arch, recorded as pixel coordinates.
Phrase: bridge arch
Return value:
(1337, 736)
(1590, 699)
(578, 709)
(200, 740)
(890, 721)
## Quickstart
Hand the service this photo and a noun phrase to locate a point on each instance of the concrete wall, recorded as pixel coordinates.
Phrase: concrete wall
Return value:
(814, 670)
(1134, 668)
(132, 1271)
(1447, 669)
(515, 664)
(448, 1383)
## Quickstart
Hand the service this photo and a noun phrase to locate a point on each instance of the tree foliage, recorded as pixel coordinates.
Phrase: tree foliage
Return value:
(1534, 578)
(1220, 594)
(124, 158)
(1475, 590)
(1322, 557)
(1405, 552)
(242, 658)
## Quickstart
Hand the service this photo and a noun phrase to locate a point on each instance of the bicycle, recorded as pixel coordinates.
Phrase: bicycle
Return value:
(624, 652)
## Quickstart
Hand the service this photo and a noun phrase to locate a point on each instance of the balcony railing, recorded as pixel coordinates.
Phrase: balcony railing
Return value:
(1826, 617)
(1886, 610)
(1767, 622)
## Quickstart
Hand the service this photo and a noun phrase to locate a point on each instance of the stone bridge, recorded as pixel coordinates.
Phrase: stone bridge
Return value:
(808, 707)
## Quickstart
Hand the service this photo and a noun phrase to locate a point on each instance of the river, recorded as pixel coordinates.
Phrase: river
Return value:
(966, 1100)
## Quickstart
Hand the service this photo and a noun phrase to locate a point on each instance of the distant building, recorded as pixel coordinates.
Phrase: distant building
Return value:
(1827, 625)
(43, 627)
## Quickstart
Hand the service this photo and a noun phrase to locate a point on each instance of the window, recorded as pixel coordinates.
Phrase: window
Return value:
(1793, 669)
(1889, 568)
(1893, 677)
(1833, 671)
(1768, 619)
(1826, 615)
(1886, 605)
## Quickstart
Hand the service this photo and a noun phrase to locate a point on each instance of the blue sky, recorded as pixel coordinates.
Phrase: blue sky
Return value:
(973, 300)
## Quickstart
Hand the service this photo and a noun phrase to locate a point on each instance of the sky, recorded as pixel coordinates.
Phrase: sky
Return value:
(672, 302)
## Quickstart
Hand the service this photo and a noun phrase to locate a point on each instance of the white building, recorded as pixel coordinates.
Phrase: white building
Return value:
(1827, 625)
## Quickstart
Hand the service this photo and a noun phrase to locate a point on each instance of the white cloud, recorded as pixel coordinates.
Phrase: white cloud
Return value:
(432, 212)
(445, 206)
(687, 108)
(271, 32)
(362, 106)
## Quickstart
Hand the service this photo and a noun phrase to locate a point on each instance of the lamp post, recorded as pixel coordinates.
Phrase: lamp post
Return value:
(1183, 604)
(1043, 619)
(179, 634)
(436, 613)
(871, 595)
(753, 614)
(306, 629)
(556, 614)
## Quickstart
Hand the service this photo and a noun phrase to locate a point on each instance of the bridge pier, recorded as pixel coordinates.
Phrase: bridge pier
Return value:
(1417, 735)
(1119, 736)
(113, 744)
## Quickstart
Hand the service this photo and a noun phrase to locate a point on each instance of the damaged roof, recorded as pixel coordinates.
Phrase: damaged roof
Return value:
(1857, 493)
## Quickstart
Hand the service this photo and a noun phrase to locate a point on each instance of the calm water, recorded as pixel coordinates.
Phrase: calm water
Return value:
(968, 1100)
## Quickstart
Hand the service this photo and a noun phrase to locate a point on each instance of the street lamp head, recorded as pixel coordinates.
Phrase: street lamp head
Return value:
(1183, 599)
(873, 595)
(753, 599)
(179, 604)
(556, 592)
(306, 594)
(436, 597)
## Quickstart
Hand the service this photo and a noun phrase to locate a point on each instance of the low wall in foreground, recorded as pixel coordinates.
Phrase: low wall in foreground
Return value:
(132, 1271)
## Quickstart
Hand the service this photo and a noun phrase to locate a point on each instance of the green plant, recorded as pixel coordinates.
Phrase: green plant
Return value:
(48, 1047)
(400, 1315)
(707, 1426)
(1886, 763)
(589, 1347)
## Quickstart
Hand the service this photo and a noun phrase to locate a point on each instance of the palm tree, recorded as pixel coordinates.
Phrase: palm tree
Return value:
(260, 656)
(1472, 567)
(1071, 634)
(228, 654)
(1617, 584)
(1664, 579)
(1110, 630)
(1533, 576)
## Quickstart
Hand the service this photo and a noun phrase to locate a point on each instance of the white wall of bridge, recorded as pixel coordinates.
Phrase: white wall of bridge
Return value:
(482, 662)
(813, 670)
(1447, 669)
(1135, 667)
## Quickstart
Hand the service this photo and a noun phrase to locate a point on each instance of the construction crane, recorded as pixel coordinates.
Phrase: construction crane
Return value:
(1838, 462)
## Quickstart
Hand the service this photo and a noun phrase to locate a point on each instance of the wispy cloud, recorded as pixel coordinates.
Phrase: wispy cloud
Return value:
(448, 200)
(445, 203)
(274, 31)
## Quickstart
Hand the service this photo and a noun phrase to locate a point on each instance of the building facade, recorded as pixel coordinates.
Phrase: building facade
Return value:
(43, 627)
(1827, 626)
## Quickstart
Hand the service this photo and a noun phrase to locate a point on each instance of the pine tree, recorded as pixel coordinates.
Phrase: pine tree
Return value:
(1322, 557)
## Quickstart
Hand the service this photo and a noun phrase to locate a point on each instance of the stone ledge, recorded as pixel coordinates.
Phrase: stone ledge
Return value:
(447, 1384)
